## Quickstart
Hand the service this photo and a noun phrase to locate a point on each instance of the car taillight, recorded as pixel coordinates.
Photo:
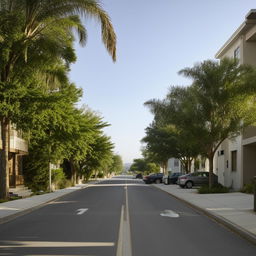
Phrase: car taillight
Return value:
(183, 178)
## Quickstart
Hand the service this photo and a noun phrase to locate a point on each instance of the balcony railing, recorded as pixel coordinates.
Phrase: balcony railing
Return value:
(18, 144)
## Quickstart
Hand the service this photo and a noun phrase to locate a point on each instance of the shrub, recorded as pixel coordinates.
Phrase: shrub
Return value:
(248, 188)
(3, 200)
(218, 188)
(36, 171)
(100, 175)
(59, 178)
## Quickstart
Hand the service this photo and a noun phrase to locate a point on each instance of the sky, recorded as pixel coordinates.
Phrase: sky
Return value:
(155, 39)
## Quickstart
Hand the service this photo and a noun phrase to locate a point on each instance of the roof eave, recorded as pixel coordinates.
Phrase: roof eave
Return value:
(250, 19)
(234, 37)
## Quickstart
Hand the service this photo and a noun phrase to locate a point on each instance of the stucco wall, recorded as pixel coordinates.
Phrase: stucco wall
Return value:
(249, 52)
(249, 163)
(229, 53)
(171, 167)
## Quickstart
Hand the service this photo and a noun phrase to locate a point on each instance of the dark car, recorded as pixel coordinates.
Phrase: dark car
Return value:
(138, 176)
(195, 179)
(171, 178)
(153, 178)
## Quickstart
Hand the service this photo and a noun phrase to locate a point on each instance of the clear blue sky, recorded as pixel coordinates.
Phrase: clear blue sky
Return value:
(155, 39)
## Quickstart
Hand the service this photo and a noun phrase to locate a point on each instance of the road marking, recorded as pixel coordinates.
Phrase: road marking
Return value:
(220, 209)
(9, 208)
(81, 211)
(119, 185)
(33, 244)
(169, 213)
(62, 202)
(124, 245)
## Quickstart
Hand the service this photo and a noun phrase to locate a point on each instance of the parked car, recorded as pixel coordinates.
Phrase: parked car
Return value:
(138, 176)
(195, 179)
(153, 178)
(171, 178)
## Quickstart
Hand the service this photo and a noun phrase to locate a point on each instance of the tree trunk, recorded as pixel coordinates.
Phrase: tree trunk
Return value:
(50, 176)
(73, 172)
(77, 176)
(211, 156)
(4, 165)
(189, 164)
(186, 166)
(166, 167)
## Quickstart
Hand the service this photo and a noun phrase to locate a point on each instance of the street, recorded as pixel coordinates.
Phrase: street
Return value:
(119, 217)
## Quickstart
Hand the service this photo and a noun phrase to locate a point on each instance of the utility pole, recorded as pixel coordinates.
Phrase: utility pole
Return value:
(50, 177)
(254, 183)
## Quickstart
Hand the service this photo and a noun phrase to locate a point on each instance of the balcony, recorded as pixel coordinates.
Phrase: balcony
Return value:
(18, 144)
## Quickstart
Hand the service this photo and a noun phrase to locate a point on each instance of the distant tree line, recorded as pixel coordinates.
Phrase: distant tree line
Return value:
(144, 166)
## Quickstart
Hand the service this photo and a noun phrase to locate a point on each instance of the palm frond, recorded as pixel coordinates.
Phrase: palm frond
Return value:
(40, 12)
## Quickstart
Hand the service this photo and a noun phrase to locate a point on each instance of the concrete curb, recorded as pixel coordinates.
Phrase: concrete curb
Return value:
(42, 204)
(221, 220)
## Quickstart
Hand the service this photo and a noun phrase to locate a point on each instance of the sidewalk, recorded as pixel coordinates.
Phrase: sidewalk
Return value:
(15, 208)
(234, 210)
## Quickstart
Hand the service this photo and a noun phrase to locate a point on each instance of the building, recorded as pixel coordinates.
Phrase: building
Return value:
(174, 165)
(235, 159)
(18, 147)
(200, 164)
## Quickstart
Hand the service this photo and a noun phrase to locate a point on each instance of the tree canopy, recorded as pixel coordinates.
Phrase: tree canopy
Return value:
(36, 50)
(218, 105)
(143, 165)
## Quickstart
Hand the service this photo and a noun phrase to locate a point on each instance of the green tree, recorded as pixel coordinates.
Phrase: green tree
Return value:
(174, 132)
(160, 145)
(117, 165)
(53, 127)
(81, 143)
(99, 157)
(66, 133)
(28, 31)
(143, 165)
(225, 96)
(138, 165)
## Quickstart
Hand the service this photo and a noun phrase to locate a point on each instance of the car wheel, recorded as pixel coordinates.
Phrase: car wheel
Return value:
(189, 184)
(157, 181)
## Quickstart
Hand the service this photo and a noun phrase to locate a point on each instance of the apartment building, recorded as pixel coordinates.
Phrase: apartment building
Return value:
(235, 159)
(174, 165)
(18, 147)
(200, 164)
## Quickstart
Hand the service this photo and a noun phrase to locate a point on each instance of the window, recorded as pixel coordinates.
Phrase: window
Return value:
(237, 53)
(203, 159)
(176, 162)
(233, 161)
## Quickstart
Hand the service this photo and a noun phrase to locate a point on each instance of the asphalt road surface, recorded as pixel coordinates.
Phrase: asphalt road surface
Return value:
(119, 217)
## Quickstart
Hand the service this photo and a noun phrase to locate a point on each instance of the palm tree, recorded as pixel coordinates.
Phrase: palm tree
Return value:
(34, 25)
(224, 93)
(36, 16)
